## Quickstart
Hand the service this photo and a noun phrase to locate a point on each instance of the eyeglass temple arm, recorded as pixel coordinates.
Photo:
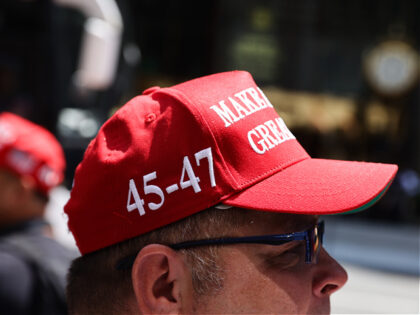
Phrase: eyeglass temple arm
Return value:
(268, 239)
(127, 262)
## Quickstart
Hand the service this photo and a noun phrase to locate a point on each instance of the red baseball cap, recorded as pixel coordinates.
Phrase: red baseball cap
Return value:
(173, 152)
(27, 149)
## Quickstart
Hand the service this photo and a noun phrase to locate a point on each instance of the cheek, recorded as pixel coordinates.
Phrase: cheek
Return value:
(250, 290)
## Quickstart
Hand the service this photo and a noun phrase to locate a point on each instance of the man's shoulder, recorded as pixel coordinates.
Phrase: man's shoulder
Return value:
(43, 262)
(36, 250)
(29, 237)
(12, 265)
(16, 284)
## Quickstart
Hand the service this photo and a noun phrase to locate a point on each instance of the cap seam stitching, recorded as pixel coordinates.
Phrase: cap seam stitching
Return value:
(182, 97)
(279, 168)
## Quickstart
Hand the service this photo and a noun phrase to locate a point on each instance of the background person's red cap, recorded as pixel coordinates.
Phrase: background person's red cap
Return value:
(175, 151)
(27, 149)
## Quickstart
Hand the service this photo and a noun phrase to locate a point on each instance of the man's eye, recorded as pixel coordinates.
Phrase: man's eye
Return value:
(290, 257)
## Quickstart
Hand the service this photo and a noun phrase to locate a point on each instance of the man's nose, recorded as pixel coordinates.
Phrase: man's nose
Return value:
(329, 277)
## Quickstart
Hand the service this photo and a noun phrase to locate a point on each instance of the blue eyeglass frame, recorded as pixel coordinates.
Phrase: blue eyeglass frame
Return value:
(313, 238)
(310, 236)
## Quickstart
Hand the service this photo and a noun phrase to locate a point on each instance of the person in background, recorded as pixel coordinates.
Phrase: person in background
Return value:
(197, 199)
(33, 266)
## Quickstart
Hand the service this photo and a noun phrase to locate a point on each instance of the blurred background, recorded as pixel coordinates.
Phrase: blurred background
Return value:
(344, 75)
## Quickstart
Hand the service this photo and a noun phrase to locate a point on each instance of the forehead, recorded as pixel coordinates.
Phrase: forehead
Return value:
(259, 222)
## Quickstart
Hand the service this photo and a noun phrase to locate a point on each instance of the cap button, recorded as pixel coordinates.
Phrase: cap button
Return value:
(151, 90)
(150, 118)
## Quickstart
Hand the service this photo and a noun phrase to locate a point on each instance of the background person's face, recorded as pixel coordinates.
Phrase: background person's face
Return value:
(8, 191)
(264, 279)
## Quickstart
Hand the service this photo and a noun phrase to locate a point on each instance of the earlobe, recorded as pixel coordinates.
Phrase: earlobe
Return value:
(161, 281)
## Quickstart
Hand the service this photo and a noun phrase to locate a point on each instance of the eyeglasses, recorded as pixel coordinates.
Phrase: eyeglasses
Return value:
(313, 238)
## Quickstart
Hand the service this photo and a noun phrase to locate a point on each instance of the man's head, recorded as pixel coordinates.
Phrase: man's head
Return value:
(31, 163)
(241, 278)
(182, 164)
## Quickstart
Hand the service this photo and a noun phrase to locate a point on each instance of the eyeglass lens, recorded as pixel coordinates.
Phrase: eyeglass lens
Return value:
(316, 241)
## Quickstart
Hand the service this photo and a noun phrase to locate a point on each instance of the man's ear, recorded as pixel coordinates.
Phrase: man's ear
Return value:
(162, 281)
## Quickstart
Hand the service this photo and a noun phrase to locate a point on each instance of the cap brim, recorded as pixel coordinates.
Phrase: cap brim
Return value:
(317, 186)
